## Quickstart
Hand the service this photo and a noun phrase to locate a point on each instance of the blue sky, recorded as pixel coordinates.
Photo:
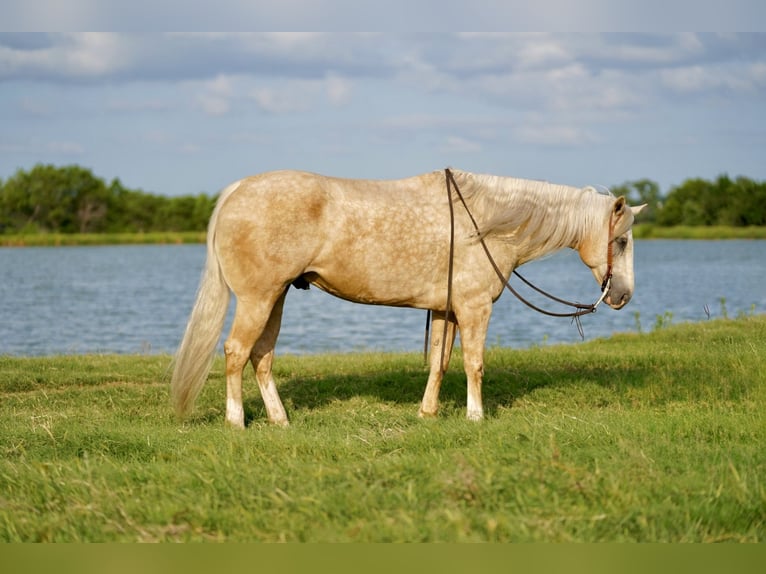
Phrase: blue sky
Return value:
(190, 112)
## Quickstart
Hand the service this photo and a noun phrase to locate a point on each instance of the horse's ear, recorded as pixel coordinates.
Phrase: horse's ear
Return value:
(619, 206)
(623, 216)
(636, 209)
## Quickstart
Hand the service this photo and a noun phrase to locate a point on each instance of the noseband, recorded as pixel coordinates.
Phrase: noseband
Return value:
(580, 308)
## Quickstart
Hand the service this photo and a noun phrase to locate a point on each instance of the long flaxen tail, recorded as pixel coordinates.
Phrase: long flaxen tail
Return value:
(196, 352)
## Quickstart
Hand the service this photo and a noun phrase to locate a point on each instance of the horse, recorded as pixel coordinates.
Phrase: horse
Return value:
(417, 242)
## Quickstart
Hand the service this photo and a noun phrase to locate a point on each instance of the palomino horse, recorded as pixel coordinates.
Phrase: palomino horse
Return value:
(405, 243)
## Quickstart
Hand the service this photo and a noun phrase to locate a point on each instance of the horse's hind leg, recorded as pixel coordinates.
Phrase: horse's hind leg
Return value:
(262, 357)
(430, 405)
(250, 321)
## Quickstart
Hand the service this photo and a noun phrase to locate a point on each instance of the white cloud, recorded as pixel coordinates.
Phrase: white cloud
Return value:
(287, 98)
(216, 96)
(188, 56)
(710, 79)
(82, 56)
(688, 79)
(644, 50)
(460, 145)
(96, 54)
(554, 135)
(338, 90)
(224, 94)
(509, 69)
(758, 73)
(213, 105)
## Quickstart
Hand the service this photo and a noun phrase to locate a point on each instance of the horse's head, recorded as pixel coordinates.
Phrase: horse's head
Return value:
(608, 250)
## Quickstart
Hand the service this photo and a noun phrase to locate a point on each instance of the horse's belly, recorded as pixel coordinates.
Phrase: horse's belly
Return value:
(359, 289)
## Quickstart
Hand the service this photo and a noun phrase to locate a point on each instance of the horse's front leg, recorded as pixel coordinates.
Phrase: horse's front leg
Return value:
(473, 333)
(430, 405)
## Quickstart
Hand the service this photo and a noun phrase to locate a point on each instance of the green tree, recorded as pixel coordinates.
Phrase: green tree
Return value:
(136, 211)
(723, 201)
(49, 198)
(91, 200)
(686, 204)
(746, 203)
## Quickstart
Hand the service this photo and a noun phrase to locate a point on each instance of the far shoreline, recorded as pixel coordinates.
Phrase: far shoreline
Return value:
(642, 231)
(94, 239)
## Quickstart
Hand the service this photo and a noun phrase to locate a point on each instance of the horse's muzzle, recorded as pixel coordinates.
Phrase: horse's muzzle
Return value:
(617, 299)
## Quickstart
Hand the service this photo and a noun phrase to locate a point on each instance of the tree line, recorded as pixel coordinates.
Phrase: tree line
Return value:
(70, 199)
(738, 202)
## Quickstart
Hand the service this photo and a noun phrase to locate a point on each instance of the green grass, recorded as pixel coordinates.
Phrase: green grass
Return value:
(648, 231)
(653, 436)
(59, 239)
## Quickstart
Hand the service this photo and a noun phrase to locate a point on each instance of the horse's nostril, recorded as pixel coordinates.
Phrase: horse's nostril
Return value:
(624, 298)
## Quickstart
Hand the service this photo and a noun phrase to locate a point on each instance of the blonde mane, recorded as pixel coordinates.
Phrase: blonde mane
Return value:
(546, 216)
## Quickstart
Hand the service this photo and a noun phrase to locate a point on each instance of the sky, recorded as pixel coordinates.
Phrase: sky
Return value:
(188, 113)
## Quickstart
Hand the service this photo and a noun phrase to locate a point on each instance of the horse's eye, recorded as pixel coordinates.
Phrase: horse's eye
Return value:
(622, 242)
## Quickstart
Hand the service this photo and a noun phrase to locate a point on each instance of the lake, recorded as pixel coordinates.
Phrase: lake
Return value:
(136, 299)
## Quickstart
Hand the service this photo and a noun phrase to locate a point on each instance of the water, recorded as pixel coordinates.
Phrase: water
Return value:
(136, 299)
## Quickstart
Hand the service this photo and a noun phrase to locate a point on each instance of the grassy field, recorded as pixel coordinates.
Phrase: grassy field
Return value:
(640, 231)
(656, 436)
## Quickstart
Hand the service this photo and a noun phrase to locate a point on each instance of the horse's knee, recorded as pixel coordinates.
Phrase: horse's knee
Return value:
(473, 367)
(236, 355)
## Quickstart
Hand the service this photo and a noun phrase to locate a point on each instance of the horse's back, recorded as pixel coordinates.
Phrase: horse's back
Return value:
(295, 185)
(291, 199)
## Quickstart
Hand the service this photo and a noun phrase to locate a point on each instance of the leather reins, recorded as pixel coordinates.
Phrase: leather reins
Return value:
(581, 308)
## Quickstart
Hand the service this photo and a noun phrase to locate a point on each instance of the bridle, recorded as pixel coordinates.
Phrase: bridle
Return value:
(580, 308)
